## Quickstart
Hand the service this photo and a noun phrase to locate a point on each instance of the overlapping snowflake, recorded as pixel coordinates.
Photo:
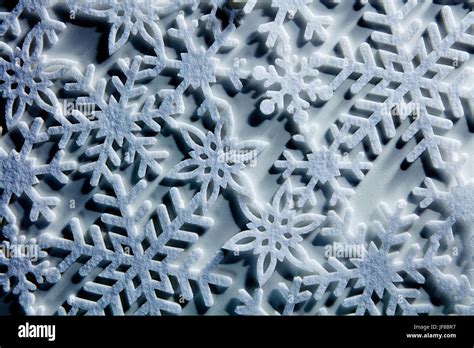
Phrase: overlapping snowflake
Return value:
(138, 181)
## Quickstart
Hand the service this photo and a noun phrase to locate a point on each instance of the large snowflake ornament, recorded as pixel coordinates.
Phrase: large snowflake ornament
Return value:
(378, 272)
(116, 122)
(406, 74)
(140, 263)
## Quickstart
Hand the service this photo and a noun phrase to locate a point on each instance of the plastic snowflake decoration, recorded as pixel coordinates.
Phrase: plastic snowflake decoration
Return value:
(378, 272)
(167, 187)
(135, 264)
(198, 67)
(294, 83)
(322, 165)
(27, 75)
(115, 122)
(458, 203)
(19, 174)
(425, 89)
(25, 269)
(216, 160)
(251, 305)
(275, 234)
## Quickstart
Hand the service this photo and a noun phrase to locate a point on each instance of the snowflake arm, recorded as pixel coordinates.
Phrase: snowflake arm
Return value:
(252, 305)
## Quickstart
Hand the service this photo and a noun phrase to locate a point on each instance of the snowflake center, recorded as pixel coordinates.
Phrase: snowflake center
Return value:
(461, 202)
(217, 160)
(292, 83)
(276, 230)
(16, 174)
(116, 122)
(323, 165)
(197, 69)
(23, 76)
(376, 270)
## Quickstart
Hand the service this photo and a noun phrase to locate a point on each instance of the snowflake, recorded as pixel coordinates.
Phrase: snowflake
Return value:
(141, 263)
(19, 174)
(116, 121)
(424, 81)
(378, 272)
(294, 84)
(26, 75)
(25, 268)
(322, 165)
(216, 160)
(458, 203)
(275, 234)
